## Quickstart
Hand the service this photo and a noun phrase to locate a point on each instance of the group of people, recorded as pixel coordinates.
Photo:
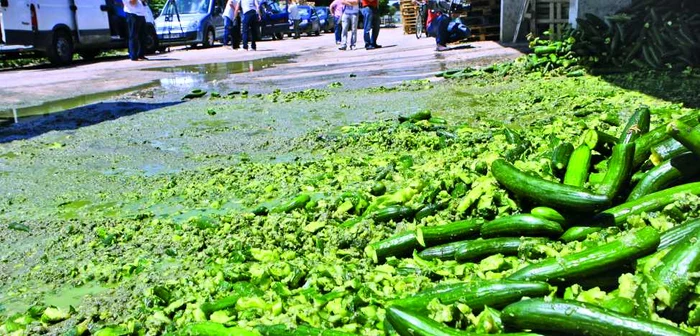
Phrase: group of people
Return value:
(346, 14)
(249, 21)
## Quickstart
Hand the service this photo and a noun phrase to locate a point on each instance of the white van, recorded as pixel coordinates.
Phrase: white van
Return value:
(60, 28)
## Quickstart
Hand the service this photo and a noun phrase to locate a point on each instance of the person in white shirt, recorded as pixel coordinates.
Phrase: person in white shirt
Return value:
(295, 17)
(136, 22)
(232, 25)
(250, 21)
(351, 12)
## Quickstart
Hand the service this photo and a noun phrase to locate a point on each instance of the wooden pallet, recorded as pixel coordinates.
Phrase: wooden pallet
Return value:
(408, 16)
(485, 33)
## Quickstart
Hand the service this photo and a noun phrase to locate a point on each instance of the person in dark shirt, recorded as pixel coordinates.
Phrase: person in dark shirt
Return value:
(370, 12)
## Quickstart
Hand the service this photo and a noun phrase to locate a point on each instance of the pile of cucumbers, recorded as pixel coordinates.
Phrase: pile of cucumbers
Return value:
(645, 34)
(646, 171)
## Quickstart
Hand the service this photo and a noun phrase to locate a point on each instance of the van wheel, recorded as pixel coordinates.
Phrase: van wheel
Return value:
(280, 36)
(89, 54)
(150, 42)
(60, 51)
(209, 38)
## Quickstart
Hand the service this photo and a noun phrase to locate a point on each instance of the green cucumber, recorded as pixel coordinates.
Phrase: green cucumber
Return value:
(208, 328)
(520, 145)
(378, 188)
(549, 214)
(594, 260)
(644, 143)
(637, 125)
(300, 330)
(521, 225)
(686, 135)
(475, 294)
(260, 211)
(674, 274)
(471, 250)
(570, 317)
(560, 157)
(442, 252)
(619, 170)
(599, 141)
(547, 193)
(578, 233)
(297, 203)
(428, 236)
(399, 245)
(240, 289)
(430, 210)
(666, 150)
(418, 116)
(667, 173)
(618, 215)
(579, 166)
(392, 213)
(678, 233)
(409, 323)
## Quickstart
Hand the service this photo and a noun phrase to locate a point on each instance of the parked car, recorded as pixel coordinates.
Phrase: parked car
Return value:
(326, 19)
(191, 22)
(275, 20)
(310, 23)
(58, 29)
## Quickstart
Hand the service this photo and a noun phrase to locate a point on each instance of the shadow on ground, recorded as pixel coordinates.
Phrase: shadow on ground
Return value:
(663, 85)
(75, 118)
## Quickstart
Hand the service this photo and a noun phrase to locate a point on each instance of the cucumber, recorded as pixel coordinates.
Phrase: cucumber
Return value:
(430, 210)
(521, 225)
(637, 125)
(475, 294)
(578, 167)
(240, 289)
(260, 211)
(560, 157)
(392, 213)
(570, 317)
(297, 203)
(300, 330)
(547, 193)
(665, 150)
(618, 215)
(678, 233)
(578, 233)
(418, 116)
(674, 275)
(442, 252)
(619, 170)
(399, 245)
(604, 142)
(686, 135)
(408, 323)
(428, 236)
(479, 248)
(208, 328)
(645, 142)
(521, 145)
(667, 173)
(594, 260)
(378, 188)
(549, 214)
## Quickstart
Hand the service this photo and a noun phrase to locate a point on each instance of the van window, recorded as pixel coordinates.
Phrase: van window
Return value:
(187, 7)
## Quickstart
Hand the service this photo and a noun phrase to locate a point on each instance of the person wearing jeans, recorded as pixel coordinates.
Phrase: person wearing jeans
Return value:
(250, 21)
(232, 25)
(136, 22)
(350, 17)
(370, 12)
(336, 9)
(295, 17)
(446, 30)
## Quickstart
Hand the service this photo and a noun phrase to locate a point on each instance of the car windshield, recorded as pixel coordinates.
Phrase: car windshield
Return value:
(273, 7)
(304, 11)
(186, 7)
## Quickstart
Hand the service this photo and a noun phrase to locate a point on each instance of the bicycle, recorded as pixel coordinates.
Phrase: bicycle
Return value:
(421, 18)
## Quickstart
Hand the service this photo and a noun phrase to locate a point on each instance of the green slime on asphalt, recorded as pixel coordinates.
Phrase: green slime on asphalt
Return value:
(166, 244)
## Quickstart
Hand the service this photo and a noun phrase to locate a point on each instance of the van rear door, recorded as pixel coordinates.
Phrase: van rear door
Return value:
(93, 22)
(17, 22)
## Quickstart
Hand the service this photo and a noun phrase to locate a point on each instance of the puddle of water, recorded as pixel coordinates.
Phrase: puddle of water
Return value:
(62, 298)
(189, 76)
(9, 116)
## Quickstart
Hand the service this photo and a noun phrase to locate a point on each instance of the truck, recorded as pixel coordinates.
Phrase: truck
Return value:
(58, 29)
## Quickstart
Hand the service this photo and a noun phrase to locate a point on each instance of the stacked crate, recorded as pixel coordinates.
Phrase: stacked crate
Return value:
(408, 16)
(484, 20)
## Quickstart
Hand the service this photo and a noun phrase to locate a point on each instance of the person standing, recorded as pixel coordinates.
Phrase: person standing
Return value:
(232, 25)
(336, 9)
(370, 12)
(295, 17)
(136, 23)
(351, 13)
(250, 21)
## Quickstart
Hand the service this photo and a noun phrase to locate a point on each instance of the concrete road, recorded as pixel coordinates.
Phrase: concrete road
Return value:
(309, 62)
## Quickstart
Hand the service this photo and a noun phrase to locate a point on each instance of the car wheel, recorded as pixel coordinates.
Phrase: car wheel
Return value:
(209, 38)
(89, 54)
(151, 41)
(280, 36)
(193, 46)
(60, 51)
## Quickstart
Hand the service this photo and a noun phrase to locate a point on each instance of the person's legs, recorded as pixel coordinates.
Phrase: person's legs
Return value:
(368, 15)
(133, 36)
(245, 27)
(227, 30)
(236, 43)
(296, 29)
(338, 28)
(376, 21)
(344, 35)
(442, 35)
(353, 34)
(142, 37)
(255, 29)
